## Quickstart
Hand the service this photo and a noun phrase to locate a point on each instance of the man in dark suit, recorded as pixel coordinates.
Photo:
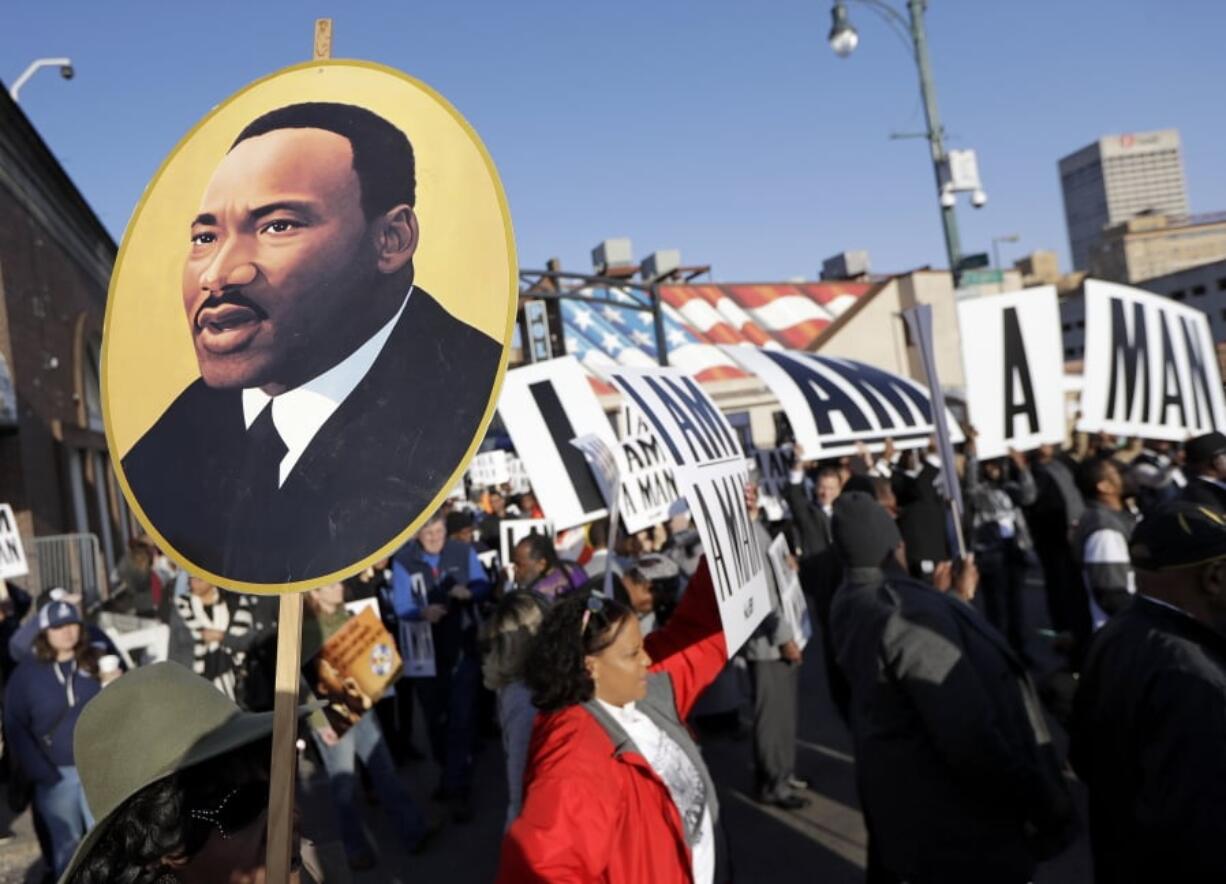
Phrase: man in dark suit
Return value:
(336, 398)
(1206, 465)
(957, 774)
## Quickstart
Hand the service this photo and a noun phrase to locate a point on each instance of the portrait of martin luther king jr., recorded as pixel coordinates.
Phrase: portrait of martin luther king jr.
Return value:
(335, 397)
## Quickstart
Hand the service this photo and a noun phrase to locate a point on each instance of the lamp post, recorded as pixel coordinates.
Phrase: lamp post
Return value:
(996, 240)
(844, 39)
(67, 71)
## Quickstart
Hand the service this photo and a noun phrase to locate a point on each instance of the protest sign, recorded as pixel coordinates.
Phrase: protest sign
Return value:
(490, 469)
(399, 364)
(711, 472)
(774, 466)
(795, 606)
(642, 473)
(544, 406)
(648, 484)
(352, 669)
(1013, 361)
(512, 531)
(606, 469)
(520, 481)
(1150, 367)
(417, 636)
(12, 554)
(835, 404)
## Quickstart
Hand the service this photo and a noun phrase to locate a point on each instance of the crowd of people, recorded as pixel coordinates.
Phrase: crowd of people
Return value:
(590, 663)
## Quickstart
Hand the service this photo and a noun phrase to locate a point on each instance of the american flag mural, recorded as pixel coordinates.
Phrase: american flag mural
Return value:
(699, 317)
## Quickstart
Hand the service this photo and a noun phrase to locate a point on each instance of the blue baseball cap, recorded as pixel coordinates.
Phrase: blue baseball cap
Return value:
(57, 613)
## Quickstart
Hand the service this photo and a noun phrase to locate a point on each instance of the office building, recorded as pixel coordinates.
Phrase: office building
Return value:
(1116, 178)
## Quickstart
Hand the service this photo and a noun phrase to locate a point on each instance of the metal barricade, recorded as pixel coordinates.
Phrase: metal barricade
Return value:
(74, 562)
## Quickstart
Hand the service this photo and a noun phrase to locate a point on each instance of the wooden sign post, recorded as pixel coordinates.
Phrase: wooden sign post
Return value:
(284, 771)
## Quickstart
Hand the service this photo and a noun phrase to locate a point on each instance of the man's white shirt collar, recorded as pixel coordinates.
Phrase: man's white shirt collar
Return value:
(299, 413)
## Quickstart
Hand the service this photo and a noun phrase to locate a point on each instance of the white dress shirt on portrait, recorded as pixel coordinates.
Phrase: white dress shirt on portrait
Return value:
(298, 414)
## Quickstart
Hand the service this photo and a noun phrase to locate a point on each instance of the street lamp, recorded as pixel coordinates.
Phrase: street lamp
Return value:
(67, 71)
(1011, 237)
(844, 39)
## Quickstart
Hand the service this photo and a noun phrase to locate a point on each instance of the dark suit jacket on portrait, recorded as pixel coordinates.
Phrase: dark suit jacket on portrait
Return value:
(379, 459)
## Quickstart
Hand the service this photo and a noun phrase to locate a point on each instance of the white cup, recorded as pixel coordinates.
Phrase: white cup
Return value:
(108, 664)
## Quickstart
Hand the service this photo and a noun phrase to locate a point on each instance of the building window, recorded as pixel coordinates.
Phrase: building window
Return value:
(1198, 290)
(1178, 295)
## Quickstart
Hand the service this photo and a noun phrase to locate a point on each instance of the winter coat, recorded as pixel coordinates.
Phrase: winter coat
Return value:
(595, 812)
(957, 774)
(1149, 741)
(38, 722)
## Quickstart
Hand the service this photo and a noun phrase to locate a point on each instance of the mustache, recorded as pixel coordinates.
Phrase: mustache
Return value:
(233, 297)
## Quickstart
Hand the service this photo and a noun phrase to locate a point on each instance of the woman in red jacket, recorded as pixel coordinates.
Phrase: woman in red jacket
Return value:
(615, 790)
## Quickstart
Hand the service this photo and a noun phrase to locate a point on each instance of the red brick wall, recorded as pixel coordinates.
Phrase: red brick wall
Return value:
(48, 299)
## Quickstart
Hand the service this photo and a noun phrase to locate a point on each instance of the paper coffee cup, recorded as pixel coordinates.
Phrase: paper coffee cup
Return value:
(108, 664)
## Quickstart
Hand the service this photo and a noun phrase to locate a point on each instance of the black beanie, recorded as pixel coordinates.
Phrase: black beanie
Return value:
(864, 533)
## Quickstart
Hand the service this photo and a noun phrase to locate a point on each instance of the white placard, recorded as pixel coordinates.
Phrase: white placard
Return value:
(544, 406)
(1013, 361)
(512, 531)
(648, 482)
(834, 404)
(795, 605)
(520, 483)
(418, 636)
(711, 472)
(1150, 367)
(490, 469)
(774, 469)
(12, 554)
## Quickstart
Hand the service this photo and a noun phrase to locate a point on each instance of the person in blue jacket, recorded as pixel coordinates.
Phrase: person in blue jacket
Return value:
(441, 581)
(42, 702)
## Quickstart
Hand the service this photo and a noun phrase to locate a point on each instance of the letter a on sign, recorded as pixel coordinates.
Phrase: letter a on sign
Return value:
(1012, 355)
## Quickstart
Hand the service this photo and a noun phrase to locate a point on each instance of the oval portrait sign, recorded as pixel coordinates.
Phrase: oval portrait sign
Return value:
(307, 326)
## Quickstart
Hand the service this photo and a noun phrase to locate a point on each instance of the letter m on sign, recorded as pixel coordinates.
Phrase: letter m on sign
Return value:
(1129, 364)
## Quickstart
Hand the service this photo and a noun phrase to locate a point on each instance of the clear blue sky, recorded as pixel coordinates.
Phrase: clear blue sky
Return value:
(728, 130)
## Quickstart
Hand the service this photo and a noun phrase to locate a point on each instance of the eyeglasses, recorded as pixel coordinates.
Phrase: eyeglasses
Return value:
(236, 811)
(595, 605)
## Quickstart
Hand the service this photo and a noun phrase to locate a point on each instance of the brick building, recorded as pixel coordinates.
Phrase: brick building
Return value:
(55, 266)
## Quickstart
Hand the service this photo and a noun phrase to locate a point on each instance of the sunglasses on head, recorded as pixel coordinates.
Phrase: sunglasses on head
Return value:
(595, 605)
(238, 809)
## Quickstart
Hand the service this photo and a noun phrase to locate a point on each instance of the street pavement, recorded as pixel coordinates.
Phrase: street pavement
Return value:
(824, 842)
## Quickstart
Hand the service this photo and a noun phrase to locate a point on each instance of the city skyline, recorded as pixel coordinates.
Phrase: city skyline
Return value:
(738, 138)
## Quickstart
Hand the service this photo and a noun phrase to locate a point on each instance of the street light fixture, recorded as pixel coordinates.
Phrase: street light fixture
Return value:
(996, 240)
(67, 71)
(844, 39)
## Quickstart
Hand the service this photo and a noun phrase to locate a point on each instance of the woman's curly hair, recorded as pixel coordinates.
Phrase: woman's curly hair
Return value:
(154, 825)
(555, 671)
